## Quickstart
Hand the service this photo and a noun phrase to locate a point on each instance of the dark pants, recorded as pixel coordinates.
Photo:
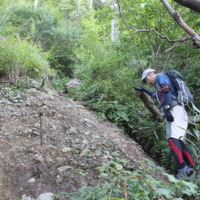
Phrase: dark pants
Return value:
(181, 153)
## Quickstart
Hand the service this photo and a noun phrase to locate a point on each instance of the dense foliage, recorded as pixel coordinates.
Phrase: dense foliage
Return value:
(101, 46)
(20, 57)
(136, 185)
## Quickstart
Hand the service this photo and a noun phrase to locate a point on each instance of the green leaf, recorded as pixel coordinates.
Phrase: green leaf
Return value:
(168, 193)
(190, 188)
(171, 178)
(123, 115)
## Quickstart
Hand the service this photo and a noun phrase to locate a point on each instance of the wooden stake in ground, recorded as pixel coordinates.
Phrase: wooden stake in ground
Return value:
(40, 114)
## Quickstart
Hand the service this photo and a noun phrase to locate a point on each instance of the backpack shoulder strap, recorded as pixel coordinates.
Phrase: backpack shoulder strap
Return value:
(173, 75)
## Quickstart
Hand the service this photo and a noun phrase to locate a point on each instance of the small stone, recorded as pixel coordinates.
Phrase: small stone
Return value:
(31, 180)
(45, 196)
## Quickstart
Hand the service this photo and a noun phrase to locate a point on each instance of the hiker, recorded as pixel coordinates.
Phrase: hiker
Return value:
(176, 118)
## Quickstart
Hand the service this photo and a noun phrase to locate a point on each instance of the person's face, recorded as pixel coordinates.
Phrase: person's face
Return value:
(150, 78)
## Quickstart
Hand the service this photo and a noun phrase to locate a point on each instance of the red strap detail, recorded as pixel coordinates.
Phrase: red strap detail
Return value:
(165, 88)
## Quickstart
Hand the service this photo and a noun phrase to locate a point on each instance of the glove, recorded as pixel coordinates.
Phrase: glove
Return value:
(168, 115)
(139, 88)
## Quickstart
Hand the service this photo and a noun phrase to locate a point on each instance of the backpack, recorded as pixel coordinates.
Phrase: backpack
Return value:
(184, 95)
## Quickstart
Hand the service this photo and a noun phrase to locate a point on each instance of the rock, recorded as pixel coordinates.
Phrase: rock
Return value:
(73, 83)
(32, 180)
(63, 169)
(66, 149)
(39, 158)
(45, 196)
(24, 197)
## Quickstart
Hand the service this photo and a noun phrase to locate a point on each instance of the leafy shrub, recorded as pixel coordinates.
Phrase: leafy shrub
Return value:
(194, 142)
(20, 57)
(47, 27)
(139, 184)
(59, 81)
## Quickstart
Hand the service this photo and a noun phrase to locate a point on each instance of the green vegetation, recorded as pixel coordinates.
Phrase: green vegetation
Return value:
(136, 185)
(67, 39)
(20, 57)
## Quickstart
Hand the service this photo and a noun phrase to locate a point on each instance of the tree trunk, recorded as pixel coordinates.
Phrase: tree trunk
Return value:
(36, 4)
(191, 4)
(91, 4)
(114, 23)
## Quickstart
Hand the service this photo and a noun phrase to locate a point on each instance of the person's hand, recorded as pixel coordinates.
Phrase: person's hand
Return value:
(168, 115)
(139, 88)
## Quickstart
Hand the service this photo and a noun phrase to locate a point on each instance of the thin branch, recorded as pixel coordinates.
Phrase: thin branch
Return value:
(161, 36)
(177, 18)
(120, 14)
(3, 21)
(171, 48)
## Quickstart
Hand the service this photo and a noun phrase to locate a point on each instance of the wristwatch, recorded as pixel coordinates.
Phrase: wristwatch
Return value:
(167, 107)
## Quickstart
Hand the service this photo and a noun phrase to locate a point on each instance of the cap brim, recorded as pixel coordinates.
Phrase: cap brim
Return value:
(143, 80)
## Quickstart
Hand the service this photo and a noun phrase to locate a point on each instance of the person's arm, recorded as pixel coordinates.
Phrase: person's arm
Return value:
(167, 94)
(167, 102)
(149, 92)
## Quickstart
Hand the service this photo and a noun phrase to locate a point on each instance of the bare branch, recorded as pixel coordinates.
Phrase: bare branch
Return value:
(171, 48)
(120, 14)
(177, 18)
(194, 36)
(161, 36)
(4, 19)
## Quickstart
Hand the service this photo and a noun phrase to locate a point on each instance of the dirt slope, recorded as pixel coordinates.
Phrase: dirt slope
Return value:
(75, 142)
